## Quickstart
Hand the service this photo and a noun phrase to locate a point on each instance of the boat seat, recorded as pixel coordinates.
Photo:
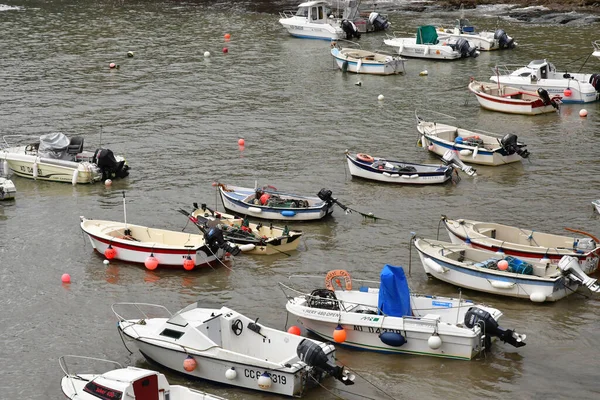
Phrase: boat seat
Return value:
(75, 145)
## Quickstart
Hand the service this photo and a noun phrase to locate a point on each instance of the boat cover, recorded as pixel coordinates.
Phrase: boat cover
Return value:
(394, 295)
(427, 34)
(54, 145)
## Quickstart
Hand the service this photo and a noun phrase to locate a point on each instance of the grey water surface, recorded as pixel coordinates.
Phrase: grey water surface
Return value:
(177, 117)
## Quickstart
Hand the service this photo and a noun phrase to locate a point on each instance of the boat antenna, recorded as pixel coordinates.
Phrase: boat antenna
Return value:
(127, 232)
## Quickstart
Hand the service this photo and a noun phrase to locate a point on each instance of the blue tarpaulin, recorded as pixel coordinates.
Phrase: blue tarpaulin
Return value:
(394, 295)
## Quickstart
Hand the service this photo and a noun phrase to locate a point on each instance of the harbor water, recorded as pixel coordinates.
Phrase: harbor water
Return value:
(177, 116)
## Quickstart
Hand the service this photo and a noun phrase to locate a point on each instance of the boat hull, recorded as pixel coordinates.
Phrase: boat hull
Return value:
(300, 28)
(506, 103)
(363, 65)
(407, 47)
(365, 171)
(7, 189)
(45, 169)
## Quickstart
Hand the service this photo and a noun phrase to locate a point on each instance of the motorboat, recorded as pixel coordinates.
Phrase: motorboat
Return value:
(7, 189)
(155, 247)
(482, 40)
(123, 383)
(367, 62)
(364, 20)
(55, 157)
(426, 44)
(468, 267)
(596, 45)
(390, 319)
(269, 203)
(224, 346)
(526, 244)
(313, 20)
(382, 170)
(511, 100)
(470, 146)
(251, 238)
(573, 87)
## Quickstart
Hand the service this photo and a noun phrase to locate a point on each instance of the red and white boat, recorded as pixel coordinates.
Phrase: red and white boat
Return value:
(156, 247)
(512, 100)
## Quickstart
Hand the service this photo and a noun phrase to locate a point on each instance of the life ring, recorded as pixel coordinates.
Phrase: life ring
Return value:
(365, 157)
(335, 275)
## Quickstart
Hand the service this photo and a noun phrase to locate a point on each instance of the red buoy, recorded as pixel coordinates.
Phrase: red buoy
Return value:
(294, 330)
(188, 264)
(110, 253)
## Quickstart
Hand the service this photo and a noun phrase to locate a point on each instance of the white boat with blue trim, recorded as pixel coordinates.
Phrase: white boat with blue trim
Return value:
(470, 147)
(272, 204)
(573, 87)
(390, 319)
(122, 383)
(222, 345)
(482, 40)
(314, 20)
(367, 62)
(426, 44)
(501, 274)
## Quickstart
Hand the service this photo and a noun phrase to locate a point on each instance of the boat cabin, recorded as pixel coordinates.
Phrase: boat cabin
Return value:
(538, 69)
(129, 383)
(315, 12)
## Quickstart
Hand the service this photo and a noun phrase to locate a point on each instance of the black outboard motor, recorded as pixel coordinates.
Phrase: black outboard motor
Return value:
(543, 93)
(464, 48)
(350, 29)
(108, 164)
(378, 21)
(214, 239)
(504, 41)
(510, 145)
(313, 355)
(490, 327)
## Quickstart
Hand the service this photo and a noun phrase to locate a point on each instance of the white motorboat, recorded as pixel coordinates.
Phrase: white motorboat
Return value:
(60, 159)
(251, 238)
(596, 45)
(7, 189)
(222, 345)
(483, 40)
(468, 267)
(367, 62)
(313, 20)
(526, 244)
(382, 170)
(469, 146)
(427, 45)
(506, 99)
(129, 383)
(154, 247)
(390, 319)
(573, 87)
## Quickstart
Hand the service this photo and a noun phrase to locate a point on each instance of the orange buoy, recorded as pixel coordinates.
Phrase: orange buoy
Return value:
(227, 36)
(110, 253)
(188, 264)
(294, 330)
(189, 364)
(66, 278)
(151, 262)
(339, 334)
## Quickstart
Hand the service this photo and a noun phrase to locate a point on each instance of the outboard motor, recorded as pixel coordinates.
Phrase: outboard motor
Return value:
(313, 355)
(214, 239)
(108, 164)
(464, 48)
(504, 41)
(570, 268)
(378, 21)
(543, 93)
(510, 145)
(451, 158)
(350, 29)
(477, 316)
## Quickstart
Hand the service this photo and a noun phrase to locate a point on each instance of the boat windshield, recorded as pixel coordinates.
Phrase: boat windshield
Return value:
(302, 12)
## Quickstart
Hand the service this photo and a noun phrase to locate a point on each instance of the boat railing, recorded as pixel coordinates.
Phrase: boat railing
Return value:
(62, 361)
(138, 307)
(287, 13)
(4, 144)
(345, 42)
(505, 69)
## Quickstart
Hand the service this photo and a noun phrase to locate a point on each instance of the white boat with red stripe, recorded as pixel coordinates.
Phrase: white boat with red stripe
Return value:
(512, 100)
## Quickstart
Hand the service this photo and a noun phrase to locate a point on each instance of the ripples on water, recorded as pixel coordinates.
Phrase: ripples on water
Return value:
(177, 117)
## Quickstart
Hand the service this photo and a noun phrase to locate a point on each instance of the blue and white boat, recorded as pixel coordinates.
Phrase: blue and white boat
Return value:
(390, 319)
(367, 62)
(501, 274)
(269, 203)
(470, 147)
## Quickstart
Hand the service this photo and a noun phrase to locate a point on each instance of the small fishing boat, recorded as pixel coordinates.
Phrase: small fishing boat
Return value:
(313, 20)
(507, 99)
(367, 62)
(573, 87)
(427, 45)
(528, 245)
(482, 40)
(57, 158)
(269, 203)
(222, 345)
(468, 267)
(7, 189)
(129, 383)
(156, 247)
(596, 45)
(379, 169)
(251, 238)
(390, 319)
(471, 147)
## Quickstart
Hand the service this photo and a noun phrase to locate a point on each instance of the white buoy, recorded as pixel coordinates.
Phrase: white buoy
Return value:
(207, 54)
(5, 167)
(537, 297)
(106, 262)
(424, 73)
(434, 342)
(583, 112)
(465, 152)
(231, 374)
(107, 183)
(264, 381)
(380, 97)
(130, 54)
(545, 260)
(359, 83)
(434, 266)
(75, 176)
(247, 247)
